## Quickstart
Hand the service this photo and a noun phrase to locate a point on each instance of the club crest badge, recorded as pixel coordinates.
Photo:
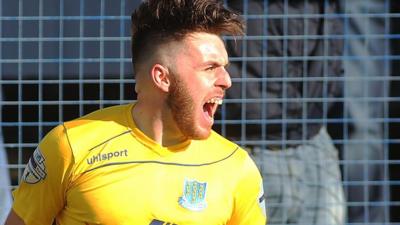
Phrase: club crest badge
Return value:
(35, 170)
(194, 195)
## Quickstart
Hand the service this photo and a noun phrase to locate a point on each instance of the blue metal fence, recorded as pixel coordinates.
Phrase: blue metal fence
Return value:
(62, 59)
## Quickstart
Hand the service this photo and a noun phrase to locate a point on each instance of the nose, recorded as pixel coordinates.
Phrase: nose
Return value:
(223, 79)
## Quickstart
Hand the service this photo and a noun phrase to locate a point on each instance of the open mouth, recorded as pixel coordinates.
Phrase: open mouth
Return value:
(210, 107)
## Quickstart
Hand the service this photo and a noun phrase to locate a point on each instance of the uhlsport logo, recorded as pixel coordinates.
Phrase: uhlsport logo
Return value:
(106, 156)
(194, 195)
(35, 170)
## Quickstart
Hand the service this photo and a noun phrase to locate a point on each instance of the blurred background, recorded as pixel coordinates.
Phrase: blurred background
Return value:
(62, 59)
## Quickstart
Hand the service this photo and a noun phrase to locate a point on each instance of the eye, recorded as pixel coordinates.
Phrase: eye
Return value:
(211, 67)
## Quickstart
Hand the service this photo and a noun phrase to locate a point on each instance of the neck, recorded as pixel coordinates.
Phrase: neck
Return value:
(157, 123)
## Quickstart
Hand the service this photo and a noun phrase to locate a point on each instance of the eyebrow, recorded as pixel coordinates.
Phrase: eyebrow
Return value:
(216, 63)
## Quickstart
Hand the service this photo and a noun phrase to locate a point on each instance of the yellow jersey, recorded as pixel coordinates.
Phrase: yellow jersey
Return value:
(101, 169)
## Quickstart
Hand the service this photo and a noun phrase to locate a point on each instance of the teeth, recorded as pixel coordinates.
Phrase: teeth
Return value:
(215, 101)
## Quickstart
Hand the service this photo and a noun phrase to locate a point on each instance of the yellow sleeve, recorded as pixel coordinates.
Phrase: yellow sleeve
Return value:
(41, 193)
(249, 203)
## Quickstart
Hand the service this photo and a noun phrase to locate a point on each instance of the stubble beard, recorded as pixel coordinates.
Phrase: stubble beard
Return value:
(183, 110)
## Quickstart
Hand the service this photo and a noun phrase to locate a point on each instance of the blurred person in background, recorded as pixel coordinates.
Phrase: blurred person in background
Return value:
(286, 68)
(366, 69)
(5, 193)
(5, 189)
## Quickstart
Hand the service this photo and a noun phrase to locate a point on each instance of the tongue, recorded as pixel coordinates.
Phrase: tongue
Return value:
(208, 108)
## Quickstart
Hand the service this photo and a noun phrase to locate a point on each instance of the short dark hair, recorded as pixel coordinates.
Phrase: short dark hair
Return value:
(156, 22)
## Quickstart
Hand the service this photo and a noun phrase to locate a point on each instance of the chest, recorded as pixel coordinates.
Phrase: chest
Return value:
(152, 193)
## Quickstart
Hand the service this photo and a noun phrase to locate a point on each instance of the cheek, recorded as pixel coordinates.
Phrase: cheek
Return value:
(204, 83)
(197, 87)
(198, 92)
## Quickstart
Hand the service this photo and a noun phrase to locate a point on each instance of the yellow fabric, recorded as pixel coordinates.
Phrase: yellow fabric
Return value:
(101, 169)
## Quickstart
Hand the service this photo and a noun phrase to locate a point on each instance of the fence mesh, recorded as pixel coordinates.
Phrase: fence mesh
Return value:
(63, 59)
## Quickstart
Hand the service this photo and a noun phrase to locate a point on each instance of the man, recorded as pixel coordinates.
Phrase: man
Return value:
(156, 161)
(5, 194)
(366, 73)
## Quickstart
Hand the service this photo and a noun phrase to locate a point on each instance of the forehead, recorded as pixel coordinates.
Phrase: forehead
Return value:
(204, 47)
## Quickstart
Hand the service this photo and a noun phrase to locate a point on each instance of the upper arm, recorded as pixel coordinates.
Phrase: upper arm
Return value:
(249, 203)
(14, 219)
(41, 193)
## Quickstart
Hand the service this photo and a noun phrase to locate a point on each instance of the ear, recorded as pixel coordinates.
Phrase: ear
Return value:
(160, 77)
